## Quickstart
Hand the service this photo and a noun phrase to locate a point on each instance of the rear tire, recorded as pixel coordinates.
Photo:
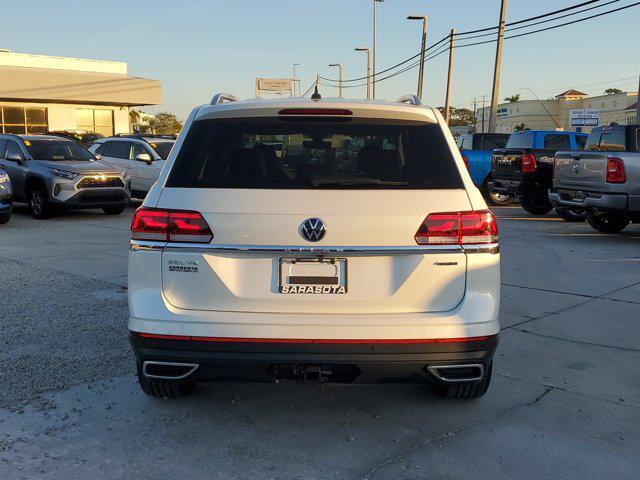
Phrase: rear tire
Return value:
(39, 202)
(163, 388)
(536, 207)
(4, 217)
(468, 391)
(113, 210)
(608, 222)
(570, 214)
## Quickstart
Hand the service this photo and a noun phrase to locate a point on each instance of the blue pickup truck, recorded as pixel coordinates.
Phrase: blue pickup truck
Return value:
(477, 150)
(524, 168)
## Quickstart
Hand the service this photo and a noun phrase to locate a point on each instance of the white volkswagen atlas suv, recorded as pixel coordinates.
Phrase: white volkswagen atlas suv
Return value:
(359, 251)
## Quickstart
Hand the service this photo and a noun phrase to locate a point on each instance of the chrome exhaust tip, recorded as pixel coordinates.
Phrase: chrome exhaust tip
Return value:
(471, 372)
(167, 370)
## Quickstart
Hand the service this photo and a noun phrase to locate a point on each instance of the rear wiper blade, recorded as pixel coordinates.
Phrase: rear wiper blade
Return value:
(356, 182)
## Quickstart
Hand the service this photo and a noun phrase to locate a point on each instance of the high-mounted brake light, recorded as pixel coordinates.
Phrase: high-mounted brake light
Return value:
(528, 163)
(315, 111)
(458, 228)
(616, 172)
(170, 226)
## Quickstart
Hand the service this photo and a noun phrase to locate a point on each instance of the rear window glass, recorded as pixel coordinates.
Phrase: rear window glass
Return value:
(607, 140)
(581, 141)
(489, 141)
(162, 148)
(557, 141)
(281, 154)
(520, 140)
(57, 150)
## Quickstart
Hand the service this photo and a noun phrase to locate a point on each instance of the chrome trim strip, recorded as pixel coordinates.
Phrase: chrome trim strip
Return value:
(192, 366)
(433, 370)
(313, 250)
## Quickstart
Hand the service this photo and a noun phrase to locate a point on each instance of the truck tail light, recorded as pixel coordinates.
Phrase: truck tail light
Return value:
(170, 226)
(528, 163)
(615, 171)
(466, 161)
(458, 228)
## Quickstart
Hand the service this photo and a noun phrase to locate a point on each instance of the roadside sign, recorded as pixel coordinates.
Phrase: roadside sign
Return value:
(274, 84)
(584, 117)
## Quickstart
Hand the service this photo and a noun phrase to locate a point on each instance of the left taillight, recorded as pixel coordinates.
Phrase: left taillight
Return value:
(458, 228)
(170, 226)
(466, 161)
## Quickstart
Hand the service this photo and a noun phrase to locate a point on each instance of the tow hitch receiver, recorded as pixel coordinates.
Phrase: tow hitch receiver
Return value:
(315, 373)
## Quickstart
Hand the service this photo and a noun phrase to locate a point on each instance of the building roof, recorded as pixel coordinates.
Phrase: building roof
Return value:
(633, 106)
(571, 93)
(50, 85)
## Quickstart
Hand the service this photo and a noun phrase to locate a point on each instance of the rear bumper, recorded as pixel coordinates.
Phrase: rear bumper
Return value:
(342, 361)
(593, 200)
(520, 188)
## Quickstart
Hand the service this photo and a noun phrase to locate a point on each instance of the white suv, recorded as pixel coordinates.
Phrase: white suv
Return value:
(361, 252)
(142, 157)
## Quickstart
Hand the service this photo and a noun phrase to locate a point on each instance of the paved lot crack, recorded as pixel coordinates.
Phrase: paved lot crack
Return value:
(626, 349)
(453, 433)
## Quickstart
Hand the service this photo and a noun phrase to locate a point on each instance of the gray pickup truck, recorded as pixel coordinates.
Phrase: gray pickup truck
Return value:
(603, 179)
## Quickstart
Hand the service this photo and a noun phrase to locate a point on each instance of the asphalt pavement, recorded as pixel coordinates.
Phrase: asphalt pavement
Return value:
(564, 402)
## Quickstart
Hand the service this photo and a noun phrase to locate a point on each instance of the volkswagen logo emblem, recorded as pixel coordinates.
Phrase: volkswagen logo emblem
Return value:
(312, 229)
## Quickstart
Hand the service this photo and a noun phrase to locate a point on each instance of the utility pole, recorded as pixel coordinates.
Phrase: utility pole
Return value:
(447, 103)
(422, 48)
(374, 46)
(339, 65)
(483, 110)
(638, 103)
(294, 80)
(475, 115)
(496, 70)
(366, 49)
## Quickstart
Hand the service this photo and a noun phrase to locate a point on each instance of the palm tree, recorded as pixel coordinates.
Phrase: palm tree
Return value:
(513, 98)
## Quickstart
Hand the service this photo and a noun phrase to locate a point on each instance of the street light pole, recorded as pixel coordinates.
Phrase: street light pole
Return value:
(496, 69)
(638, 103)
(422, 48)
(366, 49)
(374, 45)
(339, 65)
(447, 103)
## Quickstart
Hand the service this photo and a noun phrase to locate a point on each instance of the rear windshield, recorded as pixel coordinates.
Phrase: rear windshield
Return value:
(57, 150)
(609, 140)
(520, 140)
(489, 141)
(161, 148)
(282, 154)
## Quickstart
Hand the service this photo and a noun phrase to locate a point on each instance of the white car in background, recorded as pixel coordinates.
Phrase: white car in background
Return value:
(142, 156)
(381, 263)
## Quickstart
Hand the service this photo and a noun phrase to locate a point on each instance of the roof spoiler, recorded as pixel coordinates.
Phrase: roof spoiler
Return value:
(410, 99)
(222, 97)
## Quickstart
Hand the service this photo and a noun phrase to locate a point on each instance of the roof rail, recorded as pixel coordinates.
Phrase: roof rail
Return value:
(221, 97)
(142, 136)
(411, 99)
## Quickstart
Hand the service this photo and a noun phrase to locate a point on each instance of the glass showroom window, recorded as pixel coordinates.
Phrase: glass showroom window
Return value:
(98, 121)
(23, 120)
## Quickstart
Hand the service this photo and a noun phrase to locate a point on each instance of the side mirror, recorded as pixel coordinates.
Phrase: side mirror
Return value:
(14, 157)
(144, 157)
(97, 156)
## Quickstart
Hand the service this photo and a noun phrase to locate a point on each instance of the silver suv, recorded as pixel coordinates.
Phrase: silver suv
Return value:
(50, 172)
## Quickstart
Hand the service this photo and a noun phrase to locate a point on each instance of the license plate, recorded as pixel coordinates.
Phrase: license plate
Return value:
(578, 195)
(327, 276)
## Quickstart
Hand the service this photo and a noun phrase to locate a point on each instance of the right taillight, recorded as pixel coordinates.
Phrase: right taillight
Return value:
(458, 228)
(466, 161)
(615, 171)
(170, 226)
(528, 163)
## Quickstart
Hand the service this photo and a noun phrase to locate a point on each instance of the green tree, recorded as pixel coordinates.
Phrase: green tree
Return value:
(513, 98)
(460, 117)
(163, 123)
(611, 91)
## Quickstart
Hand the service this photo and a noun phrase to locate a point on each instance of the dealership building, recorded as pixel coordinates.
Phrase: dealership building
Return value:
(40, 94)
(570, 110)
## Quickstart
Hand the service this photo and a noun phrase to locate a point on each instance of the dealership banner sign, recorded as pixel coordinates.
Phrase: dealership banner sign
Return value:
(584, 117)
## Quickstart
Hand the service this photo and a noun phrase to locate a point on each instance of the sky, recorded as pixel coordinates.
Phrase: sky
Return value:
(199, 47)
